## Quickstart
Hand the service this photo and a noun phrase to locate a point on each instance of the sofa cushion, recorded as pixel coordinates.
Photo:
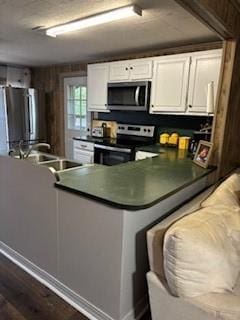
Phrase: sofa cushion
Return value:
(224, 306)
(202, 252)
(226, 194)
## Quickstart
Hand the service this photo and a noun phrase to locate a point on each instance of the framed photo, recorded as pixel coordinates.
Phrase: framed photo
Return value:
(203, 153)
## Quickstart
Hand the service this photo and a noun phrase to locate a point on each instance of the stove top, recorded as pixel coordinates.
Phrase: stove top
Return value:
(131, 143)
(130, 136)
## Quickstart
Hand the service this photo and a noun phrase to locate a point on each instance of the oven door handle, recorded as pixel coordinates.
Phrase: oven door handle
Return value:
(124, 150)
(137, 92)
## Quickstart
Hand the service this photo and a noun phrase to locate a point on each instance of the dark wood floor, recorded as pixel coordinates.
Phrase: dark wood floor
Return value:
(24, 298)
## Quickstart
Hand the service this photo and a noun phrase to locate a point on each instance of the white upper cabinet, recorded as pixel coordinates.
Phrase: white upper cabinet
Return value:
(179, 82)
(18, 77)
(119, 71)
(131, 70)
(170, 84)
(141, 70)
(97, 87)
(205, 68)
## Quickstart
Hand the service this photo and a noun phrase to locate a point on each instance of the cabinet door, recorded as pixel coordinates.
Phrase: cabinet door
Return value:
(141, 70)
(83, 156)
(169, 84)
(119, 71)
(205, 67)
(15, 77)
(97, 87)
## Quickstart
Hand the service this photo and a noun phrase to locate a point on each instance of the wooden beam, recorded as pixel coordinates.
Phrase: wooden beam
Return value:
(230, 157)
(223, 108)
(222, 16)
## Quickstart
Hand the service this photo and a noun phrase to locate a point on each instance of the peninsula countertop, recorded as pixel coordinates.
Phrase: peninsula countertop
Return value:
(138, 184)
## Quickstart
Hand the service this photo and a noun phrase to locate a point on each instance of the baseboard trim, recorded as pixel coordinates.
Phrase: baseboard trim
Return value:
(72, 298)
(140, 309)
(76, 301)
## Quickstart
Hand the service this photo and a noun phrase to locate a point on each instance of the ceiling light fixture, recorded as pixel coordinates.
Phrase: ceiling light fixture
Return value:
(95, 20)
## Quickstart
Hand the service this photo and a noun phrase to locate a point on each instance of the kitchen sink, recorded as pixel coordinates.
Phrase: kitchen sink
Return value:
(61, 164)
(40, 158)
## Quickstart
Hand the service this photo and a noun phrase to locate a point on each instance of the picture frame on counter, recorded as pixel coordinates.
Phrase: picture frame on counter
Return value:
(203, 153)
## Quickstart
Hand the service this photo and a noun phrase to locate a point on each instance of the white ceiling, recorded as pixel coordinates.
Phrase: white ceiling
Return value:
(163, 24)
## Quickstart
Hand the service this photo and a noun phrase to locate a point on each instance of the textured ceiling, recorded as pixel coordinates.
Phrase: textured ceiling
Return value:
(164, 23)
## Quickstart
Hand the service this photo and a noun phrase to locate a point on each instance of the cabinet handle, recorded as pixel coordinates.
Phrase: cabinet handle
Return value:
(83, 146)
(152, 106)
(131, 68)
(126, 68)
(105, 104)
(189, 106)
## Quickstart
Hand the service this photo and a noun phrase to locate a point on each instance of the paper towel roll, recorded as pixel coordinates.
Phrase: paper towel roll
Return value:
(210, 97)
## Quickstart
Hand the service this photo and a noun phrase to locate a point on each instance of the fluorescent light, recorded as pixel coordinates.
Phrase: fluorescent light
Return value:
(109, 16)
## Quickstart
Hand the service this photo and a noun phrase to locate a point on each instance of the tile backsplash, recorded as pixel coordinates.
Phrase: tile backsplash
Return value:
(184, 125)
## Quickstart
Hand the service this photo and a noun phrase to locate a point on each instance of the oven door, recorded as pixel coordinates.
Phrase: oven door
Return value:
(111, 156)
(129, 96)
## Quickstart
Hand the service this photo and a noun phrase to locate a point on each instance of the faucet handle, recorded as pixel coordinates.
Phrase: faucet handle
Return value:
(11, 153)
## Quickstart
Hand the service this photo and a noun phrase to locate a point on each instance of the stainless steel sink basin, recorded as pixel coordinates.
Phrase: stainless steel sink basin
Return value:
(41, 158)
(61, 164)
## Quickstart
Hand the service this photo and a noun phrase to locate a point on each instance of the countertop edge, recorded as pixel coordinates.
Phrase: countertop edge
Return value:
(130, 207)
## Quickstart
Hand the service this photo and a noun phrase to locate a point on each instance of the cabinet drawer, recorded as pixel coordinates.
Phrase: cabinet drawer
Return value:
(85, 157)
(84, 145)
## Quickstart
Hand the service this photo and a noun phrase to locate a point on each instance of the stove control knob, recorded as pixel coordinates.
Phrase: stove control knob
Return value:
(145, 130)
(149, 130)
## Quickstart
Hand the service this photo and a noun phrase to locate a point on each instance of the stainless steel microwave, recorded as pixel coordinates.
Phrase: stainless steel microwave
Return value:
(129, 96)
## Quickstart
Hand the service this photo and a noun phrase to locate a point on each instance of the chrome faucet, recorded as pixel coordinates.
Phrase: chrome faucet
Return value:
(13, 152)
(20, 149)
(34, 147)
(23, 154)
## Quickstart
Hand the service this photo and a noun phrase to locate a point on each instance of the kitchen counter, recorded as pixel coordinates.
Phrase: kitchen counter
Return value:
(91, 139)
(80, 234)
(135, 185)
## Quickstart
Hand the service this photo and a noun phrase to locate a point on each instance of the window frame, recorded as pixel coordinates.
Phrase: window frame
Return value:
(74, 81)
(70, 133)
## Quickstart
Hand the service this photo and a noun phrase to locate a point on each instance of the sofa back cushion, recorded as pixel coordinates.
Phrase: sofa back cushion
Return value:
(227, 194)
(202, 252)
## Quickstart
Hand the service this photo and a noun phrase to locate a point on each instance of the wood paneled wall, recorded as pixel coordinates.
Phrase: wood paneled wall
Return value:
(50, 79)
(227, 128)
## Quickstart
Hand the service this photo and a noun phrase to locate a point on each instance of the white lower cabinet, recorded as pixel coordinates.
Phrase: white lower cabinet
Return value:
(83, 151)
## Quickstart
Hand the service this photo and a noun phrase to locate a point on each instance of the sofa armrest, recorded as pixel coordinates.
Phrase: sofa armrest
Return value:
(155, 236)
(164, 306)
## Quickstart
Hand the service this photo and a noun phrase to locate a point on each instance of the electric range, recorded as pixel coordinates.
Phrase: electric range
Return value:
(109, 151)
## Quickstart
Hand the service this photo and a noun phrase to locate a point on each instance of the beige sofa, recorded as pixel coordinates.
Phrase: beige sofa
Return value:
(164, 305)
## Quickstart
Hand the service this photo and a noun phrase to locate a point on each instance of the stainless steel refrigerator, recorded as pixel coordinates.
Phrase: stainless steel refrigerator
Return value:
(22, 117)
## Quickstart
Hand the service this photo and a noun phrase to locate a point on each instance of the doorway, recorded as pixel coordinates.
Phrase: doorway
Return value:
(75, 111)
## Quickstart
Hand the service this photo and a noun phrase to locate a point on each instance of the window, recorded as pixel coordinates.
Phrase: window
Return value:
(76, 117)
(77, 107)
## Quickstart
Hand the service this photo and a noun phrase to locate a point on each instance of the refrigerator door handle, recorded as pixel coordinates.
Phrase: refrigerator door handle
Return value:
(30, 115)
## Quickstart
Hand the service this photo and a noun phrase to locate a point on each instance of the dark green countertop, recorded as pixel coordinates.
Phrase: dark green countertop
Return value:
(135, 185)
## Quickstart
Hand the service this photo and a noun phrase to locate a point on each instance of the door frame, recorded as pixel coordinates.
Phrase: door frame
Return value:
(72, 80)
